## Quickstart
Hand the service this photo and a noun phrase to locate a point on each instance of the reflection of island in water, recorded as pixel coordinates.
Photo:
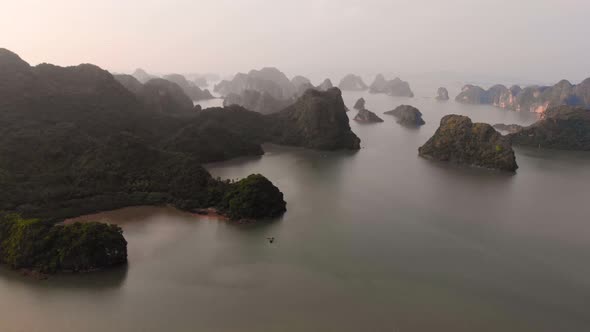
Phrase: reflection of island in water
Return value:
(111, 278)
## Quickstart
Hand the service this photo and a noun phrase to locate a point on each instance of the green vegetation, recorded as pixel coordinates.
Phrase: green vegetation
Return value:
(458, 140)
(79, 142)
(564, 127)
(254, 197)
(41, 246)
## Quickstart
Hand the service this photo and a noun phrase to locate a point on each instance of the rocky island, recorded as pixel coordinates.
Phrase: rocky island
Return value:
(43, 247)
(317, 120)
(563, 127)
(364, 115)
(268, 79)
(460, 141)
(81, 141)
(407, 115)
(253, 198)
(530, 99)
(442, 94)
(352, 82)
(265, 91)
(395, 87)
(360, 104)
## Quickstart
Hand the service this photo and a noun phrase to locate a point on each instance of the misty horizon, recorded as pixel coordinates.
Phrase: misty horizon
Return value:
(528, 42)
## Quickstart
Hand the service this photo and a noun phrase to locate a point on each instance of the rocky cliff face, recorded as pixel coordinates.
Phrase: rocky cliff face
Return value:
(407, 115)
(563, 127)
(190, 89)
(352, 82)
(442, 94)
(317, 120)
(498, 95)
(460, 141)
(395, 87)
(530, 99)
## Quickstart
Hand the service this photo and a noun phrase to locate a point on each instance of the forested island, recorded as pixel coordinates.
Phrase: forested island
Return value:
(77, 140)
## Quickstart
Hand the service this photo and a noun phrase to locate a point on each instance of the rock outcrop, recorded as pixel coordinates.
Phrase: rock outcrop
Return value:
(460, 141)
(497, 95)
(40, 246)
(360, 104)
(399, 88)
(317, 120)
(442, 94)
(190, 89)
(325, 86)
(352, 82)
(261, 102)
(366, 116)
(395, 87)
(530, 99)
(563, 127)
(253, 198)
(379, 85)
(407, 115)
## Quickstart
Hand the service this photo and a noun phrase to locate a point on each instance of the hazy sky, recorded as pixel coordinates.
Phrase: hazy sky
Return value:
(529, 39)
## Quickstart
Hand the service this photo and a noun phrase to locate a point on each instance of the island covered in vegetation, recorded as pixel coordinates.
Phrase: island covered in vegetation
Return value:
(42, 246)
(78, 140)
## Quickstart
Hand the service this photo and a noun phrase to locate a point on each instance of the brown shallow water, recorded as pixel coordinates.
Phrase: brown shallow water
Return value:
(378, 240)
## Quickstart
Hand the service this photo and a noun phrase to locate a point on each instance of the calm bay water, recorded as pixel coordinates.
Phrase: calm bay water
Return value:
(378, 240)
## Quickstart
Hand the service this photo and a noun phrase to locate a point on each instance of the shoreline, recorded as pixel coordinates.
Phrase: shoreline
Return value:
(140, 212)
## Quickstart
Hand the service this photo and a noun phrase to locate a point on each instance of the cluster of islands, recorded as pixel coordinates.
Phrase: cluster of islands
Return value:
(78, 140)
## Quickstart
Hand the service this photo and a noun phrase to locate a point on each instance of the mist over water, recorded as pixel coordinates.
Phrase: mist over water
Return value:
(377, 240)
